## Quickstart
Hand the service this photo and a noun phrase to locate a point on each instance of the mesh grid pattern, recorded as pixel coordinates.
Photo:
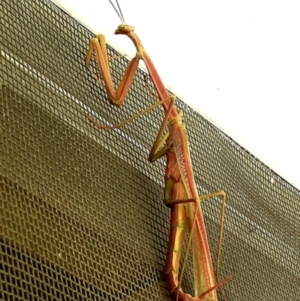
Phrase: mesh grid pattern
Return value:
(82, 212)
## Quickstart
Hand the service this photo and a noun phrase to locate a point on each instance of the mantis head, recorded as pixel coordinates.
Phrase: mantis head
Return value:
(124, 29)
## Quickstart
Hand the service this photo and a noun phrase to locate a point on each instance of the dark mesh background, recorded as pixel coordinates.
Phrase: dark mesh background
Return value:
(82, 212)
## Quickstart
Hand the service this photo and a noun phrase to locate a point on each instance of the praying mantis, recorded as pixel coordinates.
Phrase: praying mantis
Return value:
(180, 192)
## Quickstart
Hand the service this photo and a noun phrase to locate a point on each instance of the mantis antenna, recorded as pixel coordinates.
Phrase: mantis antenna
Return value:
(118, 10)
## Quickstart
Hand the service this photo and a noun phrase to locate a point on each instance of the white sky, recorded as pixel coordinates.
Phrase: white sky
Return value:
(235, 62)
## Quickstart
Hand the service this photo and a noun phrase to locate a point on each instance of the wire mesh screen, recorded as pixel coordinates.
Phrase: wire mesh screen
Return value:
(82, 212)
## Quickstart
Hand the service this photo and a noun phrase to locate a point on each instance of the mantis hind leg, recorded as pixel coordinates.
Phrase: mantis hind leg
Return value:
(222, 196)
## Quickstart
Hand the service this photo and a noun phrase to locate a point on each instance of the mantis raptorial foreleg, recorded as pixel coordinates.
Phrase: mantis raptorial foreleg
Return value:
(115, 96)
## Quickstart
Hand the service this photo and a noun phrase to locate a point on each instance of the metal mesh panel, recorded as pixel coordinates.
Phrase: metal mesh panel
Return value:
(82, 213)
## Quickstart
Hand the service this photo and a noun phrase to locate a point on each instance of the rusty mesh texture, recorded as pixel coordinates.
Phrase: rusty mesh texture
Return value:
(82, 211)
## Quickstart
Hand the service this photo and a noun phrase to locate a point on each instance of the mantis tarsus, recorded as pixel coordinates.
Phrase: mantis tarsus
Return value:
(180, 189)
